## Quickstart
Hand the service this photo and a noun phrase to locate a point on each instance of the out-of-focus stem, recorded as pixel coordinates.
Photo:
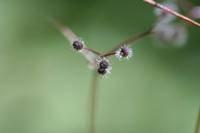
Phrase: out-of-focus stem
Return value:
(93, 103)
(197, 126)
(162, 7)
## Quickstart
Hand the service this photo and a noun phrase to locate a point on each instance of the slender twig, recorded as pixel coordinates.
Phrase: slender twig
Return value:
(108, 54)
(128, 41)
(92, 50)
(162, 7)
(197, 126)
(93, 103)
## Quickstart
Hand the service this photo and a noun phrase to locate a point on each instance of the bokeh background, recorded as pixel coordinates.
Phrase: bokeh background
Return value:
(45, 86)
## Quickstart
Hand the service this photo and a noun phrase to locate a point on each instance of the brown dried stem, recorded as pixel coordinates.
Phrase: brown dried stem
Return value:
(162, 7)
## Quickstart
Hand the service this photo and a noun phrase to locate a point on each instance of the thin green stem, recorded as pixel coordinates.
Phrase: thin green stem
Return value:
(93, 103)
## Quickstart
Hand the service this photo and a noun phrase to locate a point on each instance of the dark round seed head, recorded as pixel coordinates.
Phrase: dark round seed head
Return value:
(101, 71)
(124, 52)
(103, 64)
(77, 45)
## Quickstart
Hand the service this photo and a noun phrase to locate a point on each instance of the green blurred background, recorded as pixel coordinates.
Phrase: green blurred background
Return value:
(45, 87)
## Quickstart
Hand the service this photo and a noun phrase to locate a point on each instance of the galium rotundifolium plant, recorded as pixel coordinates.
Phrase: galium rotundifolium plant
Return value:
(97, 61)
(166, 28)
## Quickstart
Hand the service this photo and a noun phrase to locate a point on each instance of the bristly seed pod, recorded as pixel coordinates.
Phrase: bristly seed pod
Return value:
(101, 71)
(103, 66)
(124, 52)
(78, 45)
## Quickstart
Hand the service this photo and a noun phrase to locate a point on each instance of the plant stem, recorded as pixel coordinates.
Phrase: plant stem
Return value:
(197, 126)
(128, 41)
(162, 7)
(92, 50)
(93, 103)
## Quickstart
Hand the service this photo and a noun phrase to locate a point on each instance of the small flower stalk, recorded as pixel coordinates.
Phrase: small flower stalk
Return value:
(124, 52)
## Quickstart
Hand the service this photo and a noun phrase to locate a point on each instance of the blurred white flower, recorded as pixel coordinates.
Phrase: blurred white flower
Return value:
(175, 34)
(124, 52)
(163, 16)
(195, 12)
